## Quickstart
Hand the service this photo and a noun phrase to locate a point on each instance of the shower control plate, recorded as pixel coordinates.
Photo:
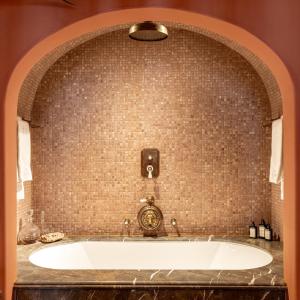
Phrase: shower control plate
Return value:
(150, 163)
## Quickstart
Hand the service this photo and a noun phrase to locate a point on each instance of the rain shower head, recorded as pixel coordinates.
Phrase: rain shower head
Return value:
(148, 31)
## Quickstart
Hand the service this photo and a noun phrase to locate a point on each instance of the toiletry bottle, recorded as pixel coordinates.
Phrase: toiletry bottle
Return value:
(253, 231)
(261, 229)
(268, 233)
(29, 233)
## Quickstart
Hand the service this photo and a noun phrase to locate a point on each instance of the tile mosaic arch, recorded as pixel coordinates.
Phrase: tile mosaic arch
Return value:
(34, 78)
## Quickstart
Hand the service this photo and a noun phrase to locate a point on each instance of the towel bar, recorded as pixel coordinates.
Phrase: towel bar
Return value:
(270, 123)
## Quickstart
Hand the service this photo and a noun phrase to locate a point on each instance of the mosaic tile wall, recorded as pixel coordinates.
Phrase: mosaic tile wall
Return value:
(24, 205)
(277, 210)
(191, 97)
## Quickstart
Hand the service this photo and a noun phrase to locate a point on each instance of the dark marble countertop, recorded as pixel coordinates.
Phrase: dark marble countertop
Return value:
(268, 276)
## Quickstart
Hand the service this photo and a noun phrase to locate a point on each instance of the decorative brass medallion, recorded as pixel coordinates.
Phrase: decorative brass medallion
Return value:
(150, 218)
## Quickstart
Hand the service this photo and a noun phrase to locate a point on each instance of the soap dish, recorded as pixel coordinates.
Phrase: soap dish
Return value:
(51, 237)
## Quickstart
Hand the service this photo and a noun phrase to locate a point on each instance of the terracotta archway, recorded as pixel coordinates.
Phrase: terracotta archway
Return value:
(111, 19)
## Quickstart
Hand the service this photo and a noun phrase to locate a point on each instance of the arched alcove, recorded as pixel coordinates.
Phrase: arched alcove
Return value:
(219, 106)
(36, 73)
(273, 73)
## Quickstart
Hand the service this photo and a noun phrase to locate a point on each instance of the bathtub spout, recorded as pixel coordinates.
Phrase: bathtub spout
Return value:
(126, 227)
(174, 225)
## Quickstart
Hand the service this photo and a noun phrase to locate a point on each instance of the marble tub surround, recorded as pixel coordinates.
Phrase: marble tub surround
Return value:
(148, 293)
(262, 283)
(270, 275)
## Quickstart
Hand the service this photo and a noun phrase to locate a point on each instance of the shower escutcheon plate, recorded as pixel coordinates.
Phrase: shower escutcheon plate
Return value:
(150, 163)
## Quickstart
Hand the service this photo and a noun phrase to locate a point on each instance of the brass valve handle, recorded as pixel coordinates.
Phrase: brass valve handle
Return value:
(150, 217)
(149, 200)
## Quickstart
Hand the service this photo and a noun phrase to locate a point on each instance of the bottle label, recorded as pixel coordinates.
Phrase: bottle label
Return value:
(261, 231)
(252, 232)
(267, 234)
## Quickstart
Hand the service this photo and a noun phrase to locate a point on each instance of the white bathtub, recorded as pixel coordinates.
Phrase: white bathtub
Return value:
(144, 255)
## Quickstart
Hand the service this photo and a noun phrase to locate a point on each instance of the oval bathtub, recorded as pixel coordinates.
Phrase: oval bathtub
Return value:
(149, 255)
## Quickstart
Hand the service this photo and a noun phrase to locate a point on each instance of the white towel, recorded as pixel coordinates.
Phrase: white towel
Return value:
(276, 165)
(282, 187)
(24, 157)
(20, 191)
(20, 188)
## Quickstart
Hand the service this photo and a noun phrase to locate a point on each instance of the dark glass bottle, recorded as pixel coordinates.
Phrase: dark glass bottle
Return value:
(268, 233)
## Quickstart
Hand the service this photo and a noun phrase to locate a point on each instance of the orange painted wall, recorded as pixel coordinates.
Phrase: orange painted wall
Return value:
(277, 22)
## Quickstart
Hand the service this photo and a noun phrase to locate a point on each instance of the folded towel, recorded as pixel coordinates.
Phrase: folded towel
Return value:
(276, 164)
(20, 191)
(24, 151)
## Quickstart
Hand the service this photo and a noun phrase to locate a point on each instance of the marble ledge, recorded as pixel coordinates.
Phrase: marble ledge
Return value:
(270, 276)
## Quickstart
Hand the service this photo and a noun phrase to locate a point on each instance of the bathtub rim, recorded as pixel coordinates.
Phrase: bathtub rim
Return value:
(158, 241)
(43, 276)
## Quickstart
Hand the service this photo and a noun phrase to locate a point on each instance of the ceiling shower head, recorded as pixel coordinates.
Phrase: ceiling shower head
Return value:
(148, 31)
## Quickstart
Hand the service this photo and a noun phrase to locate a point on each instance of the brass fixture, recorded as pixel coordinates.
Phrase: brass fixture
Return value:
(148, 31)
(174, 224)
(150, 217)
(126, 224)
(31, 124)
(269, 123)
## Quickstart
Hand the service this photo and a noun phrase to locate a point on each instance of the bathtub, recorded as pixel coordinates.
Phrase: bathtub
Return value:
(149, 255)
